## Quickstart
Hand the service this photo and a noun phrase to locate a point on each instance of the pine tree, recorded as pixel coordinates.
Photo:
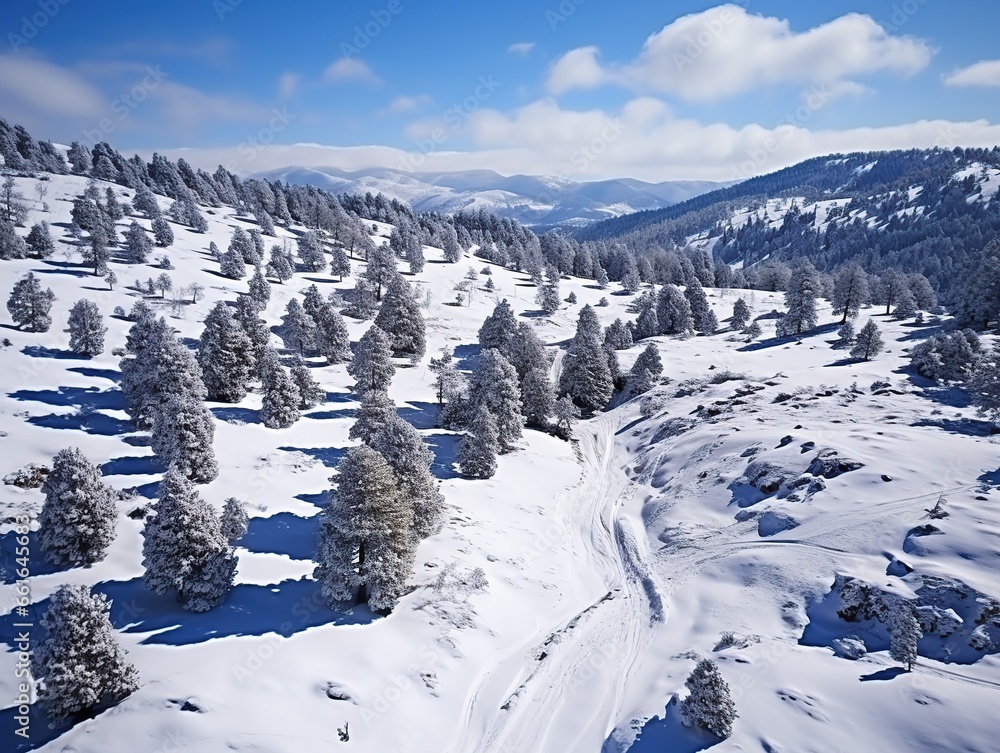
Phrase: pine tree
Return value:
(804, 287)
(79, 664)
(617, 336)
(850, 291)
(164, 284)
(904, 634)
(260, 290)
(226, 356)
(366, 546)
(86, 329)
(311, 252)
(891, 285)
(184, 550)
(984, 385)
(162, 233)
(547, 297)
(298, 329)
(868, 343)
(29, 305)
(280, 266)
(709, 703)
(401, 320)
(340, 265)
(232, 265)
(477, 453)
(145, 202)
(450, 246)
(280, 405)
(182, 435)
(585, 375)
(77, 522)
(741, 314)
(701, 312)
(906, 305)
(137, 245)
(376, 409)
(12, 245)
(846, 332)
(526, 351)
(330, 338)
(495, 386)
(39, 241)
(310, 393)
(242, 246)
(96, 253)
(674, 312)
(381, 268)
(566, 414)
(537, 396)
(647, 324)
(646, 371)
(235, 521)
(499, 329)
(404, 450)
(371, 366)
(255, 328)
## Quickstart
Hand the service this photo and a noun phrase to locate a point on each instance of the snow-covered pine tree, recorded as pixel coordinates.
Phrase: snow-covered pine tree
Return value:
(234, 522)
(537, 396)
(617, 336)
(280, 265)
(226, 356)
(310, 392)
(77, 521)
(281, 401)
(12, 245)
(709, 704)
(372, 366)
(701, 312)
(311, 252)
(526, 351)
(330, 338)
(868, 343)
(376, 409)
(29, 304)
(499, 329)
(298, 329)
(401, 320)
(79, 664)
(145, 202)
(850, 291)
(260, 289)
(450, 246)
(477, 452)
(340, 264)
(137, 244)
(248, 317)
(39, 241)
(183, 548)
(366, 546)
(242, 245)
(846, 333)
(547, 297)
(674, 312)
(647, 324)
(645, 372)
(162, 232)
(410, 459)
(232, 265)
(86, 329)
(601, 278)
(984, 384)
(804, 288)
(566, 414)
(585, 375)
(904, 634)
(906, 305)
(741, 314)
(495, 385)
(182, 435)
(381, 268)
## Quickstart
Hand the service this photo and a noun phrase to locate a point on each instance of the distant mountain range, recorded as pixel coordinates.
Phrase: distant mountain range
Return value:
(531, 200)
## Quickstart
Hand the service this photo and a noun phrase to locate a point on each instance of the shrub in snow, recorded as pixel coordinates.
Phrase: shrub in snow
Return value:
(709, 704)
(184, 550)
(477, 453)
(77, 522)
(366, 545)
(86, 329)
(79, 664)
(234, 521)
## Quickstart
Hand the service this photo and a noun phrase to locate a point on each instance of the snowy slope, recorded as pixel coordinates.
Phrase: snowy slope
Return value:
(611, 562)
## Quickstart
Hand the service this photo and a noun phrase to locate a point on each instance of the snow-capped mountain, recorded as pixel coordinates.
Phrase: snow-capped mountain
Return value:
(531, 200)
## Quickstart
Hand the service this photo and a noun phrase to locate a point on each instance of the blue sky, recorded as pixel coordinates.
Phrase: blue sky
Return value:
(584, 89)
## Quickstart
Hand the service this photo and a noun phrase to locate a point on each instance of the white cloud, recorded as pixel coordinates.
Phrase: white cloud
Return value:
(521, 48)
(349, 69)
(983, 73)
(644, 139)
(288, 85)
(404, 103)
(725, 51)
(47, 88)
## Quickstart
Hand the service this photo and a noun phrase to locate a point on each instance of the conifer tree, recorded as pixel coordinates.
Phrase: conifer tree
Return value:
(906, 305)
(868, 343)
(162, 233)
(12, 245)
(450, 246)
(280, 265)
(77, 522)
(298, 329)
(566, 414)
(29, 305)
(495, 386)
(647, 324)
(646, 371)
(340, 265)
(255, 328)
(673, 311)
(260, 290)
(241, 245)
(804, 287)
(477, 452)
(79, 665)
(526, 351)
(137, 244)
(537, 396)
(39, 241)
(709, 704)
(401, 320)
(184, 550)
(232, 265)
(366, 546)
(701, 312)
(381, 268)
(372, 366)
(499, 329)
(310, 393)
(741, 314)
(585, 375)
(311, 252)
(904, 634)
(281, 401)
(850, 291)
(226, 356)
(376, 409)
(86, 329)
(617, 336)
(182, 435)
(235, 521)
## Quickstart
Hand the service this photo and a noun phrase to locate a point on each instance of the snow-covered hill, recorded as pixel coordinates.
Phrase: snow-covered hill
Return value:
(528, 199)
(737, 498)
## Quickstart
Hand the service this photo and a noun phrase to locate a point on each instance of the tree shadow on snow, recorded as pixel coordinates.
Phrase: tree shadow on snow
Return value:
(419, 415)
(282, 533)
(889, 673)
(320, 499)
(140, 465)
(237, 415)
(94, 423)
(328, 456)
(40, 351)
(284, 608)
(110, 374)
(84, 398)
(327, 415)
(466, 355)
(666, 735)
(36, 562)
(445, 449)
